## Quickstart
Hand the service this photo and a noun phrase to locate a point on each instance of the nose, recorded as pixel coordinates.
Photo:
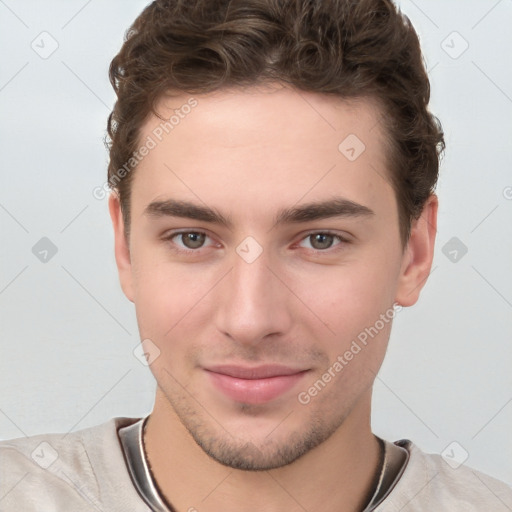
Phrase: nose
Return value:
(252, 303)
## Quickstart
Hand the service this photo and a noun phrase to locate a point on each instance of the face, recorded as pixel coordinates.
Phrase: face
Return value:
(264, 260)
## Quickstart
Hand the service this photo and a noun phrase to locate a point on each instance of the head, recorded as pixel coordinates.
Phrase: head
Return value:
(273, 166)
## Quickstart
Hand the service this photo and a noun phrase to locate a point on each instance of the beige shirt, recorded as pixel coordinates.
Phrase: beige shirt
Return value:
(86, 471)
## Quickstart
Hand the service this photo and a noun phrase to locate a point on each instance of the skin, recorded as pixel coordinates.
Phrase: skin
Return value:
(248, 154)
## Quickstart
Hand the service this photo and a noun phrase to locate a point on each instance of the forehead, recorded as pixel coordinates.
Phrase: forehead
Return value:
(252, 116)
(263, 145)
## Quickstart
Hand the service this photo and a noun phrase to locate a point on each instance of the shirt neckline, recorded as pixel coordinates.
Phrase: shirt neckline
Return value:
(136, 461)
(396, 457)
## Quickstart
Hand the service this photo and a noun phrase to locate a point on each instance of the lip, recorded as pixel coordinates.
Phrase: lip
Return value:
(256, 385)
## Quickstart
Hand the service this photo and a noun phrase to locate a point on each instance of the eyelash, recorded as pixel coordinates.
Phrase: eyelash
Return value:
(341, 241)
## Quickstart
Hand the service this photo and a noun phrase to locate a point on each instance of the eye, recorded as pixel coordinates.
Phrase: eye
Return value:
(322, 241)
(189, 240)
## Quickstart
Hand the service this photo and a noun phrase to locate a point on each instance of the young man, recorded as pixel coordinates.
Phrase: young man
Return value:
(273, 166)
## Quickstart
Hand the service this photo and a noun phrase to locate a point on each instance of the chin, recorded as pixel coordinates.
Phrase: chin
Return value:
(264, 454)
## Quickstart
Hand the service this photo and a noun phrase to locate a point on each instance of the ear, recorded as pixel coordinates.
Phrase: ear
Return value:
(418, 255)
(122, 248)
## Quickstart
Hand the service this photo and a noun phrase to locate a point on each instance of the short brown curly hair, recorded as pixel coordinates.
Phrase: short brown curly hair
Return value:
(346, 48)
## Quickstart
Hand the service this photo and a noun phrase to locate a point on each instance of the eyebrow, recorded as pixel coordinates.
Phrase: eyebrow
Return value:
(337, 207)
(174, 208)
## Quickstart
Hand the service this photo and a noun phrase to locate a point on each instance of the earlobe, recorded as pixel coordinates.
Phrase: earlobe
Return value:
(121, 246)
(418, 255)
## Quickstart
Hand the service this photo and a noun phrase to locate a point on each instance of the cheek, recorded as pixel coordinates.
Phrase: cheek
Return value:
(158, 294)
(166, 307)
(169, 298)
(357, 306)
(349, 298)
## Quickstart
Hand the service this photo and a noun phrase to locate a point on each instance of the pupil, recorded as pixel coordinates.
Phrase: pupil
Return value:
(193, 240)
(322, 241)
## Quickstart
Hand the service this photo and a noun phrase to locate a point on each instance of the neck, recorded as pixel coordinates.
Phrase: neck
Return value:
(339, 474)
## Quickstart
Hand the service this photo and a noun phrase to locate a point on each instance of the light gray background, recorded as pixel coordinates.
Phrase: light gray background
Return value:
(68, 333)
